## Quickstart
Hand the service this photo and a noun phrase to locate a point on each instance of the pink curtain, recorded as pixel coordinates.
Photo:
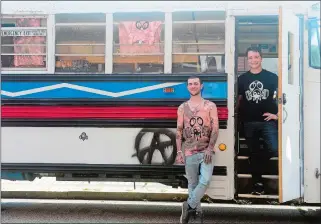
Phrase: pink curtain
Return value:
(140, 37)
(29, 61)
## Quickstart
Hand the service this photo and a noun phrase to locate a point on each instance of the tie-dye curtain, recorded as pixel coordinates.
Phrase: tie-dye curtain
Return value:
(140, 37)
(29, 61)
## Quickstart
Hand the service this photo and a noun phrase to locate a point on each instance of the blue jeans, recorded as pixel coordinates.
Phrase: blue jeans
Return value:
(199, 176)
(259, 158)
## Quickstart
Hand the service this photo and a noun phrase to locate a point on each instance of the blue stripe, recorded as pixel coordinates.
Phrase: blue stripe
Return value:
(211, 90)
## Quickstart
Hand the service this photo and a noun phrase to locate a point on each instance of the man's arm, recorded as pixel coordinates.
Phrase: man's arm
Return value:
(214, 127)
(179, 131)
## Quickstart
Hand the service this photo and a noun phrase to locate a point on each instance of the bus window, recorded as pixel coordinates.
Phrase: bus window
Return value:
(138, 45)
(80, 43)
(24, 42)
(198, 42)
(314, 44)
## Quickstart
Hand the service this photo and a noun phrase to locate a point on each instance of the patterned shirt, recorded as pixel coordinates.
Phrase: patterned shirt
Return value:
(197, 127)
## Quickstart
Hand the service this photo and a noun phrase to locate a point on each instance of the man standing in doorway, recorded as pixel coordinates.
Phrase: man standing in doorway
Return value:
(197, 132)
(258, 109)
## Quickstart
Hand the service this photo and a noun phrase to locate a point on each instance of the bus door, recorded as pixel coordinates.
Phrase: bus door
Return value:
(288, 106)
(312, 171)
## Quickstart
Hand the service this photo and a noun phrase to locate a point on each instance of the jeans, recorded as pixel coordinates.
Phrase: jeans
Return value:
(259, 158)
(198, 182)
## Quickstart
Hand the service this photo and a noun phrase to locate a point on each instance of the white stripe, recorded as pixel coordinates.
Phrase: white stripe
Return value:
(89, 90)
(35, 90)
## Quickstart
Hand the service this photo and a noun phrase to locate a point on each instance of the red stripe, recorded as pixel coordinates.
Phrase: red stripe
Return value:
(96, 112)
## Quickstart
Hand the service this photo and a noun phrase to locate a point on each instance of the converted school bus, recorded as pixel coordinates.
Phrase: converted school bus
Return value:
(90, 92)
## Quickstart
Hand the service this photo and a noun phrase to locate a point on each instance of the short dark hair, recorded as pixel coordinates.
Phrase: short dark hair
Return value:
(254, 49)
(195, 77)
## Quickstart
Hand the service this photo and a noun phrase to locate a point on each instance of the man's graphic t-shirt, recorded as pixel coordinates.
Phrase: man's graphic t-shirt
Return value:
(197, 127)
(257, 91)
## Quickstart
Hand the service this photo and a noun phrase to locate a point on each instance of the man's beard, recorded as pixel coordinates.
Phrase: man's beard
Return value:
(195, 94)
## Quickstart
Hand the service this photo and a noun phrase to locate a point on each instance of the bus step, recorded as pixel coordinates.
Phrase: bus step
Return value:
(246, 157)
(243, 150)
(270, 182)
(258, 196)
(243, 139)
(272, 177)
(271, 168)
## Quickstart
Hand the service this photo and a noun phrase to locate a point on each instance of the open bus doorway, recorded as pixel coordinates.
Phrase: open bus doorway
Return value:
(260, 32)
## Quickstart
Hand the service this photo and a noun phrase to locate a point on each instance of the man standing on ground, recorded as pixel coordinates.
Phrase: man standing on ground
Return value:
(258, 112)
(197, 132)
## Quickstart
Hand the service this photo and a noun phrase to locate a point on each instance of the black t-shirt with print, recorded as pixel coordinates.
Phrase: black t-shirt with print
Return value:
(257, 91)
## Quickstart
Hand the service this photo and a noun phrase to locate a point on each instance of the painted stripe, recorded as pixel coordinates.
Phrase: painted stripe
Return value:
(102, 102)
(107, 90)
(96, 112)
(95, 122)
(208, 77)
(99, 168)
(87, 89)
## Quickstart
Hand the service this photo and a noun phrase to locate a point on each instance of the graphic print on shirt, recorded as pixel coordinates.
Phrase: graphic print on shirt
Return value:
(197, 130)
(256, 92)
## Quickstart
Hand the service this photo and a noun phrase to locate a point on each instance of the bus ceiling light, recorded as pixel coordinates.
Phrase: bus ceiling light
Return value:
(222, 147)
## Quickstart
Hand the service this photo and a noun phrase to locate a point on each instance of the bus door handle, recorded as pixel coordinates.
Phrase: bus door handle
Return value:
(283, 99)
(285, 114)
(317, 173)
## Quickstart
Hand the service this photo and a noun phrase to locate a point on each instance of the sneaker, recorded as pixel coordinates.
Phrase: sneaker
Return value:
(200, 215)
(258, 189)
(186, 213)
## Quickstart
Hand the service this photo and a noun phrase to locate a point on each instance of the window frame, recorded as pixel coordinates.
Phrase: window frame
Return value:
(117, 19)
(216, 42)
(26, 70)
(199, 54)
(77, 24)
(110, 20)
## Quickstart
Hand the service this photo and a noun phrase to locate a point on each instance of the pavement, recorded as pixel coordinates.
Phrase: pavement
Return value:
(127, 202)
(86, 211)
(48, 188)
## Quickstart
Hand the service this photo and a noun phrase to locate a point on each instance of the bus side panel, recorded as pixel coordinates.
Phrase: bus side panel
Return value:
(83, 145)
(105, 146)
(311, 124)
(312, 140)
(56, 123)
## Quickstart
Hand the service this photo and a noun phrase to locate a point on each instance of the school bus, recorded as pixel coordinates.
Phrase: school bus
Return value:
(90, 91)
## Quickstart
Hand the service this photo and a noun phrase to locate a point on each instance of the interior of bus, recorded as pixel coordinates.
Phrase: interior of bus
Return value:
(261, 32)
(197, 46)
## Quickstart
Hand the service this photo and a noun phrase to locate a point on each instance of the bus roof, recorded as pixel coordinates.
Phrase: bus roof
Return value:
(53, 7)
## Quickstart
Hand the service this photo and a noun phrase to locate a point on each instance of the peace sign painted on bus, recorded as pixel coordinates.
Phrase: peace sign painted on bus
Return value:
(165, 147)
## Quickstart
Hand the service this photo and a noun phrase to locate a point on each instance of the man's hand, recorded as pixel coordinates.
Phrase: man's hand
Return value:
(270, 116)
(179, 158)
(208, 156)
